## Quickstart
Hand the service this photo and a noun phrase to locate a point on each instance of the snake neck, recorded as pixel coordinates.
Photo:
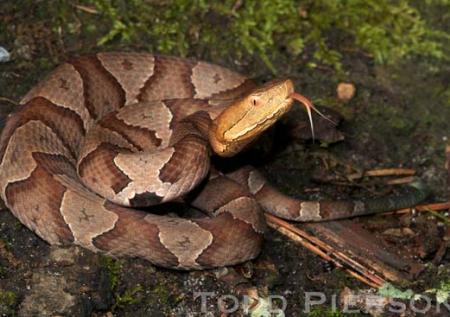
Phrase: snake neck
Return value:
(222, 147)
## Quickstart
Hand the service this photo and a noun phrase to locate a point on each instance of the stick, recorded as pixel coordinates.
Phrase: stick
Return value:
(422, 208)
(401, 180)
(325, 251)
(390, 172)
(383, 172)
(86, 9)
(9, 100)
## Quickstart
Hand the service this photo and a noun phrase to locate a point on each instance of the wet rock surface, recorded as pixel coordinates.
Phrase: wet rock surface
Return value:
(50, 281)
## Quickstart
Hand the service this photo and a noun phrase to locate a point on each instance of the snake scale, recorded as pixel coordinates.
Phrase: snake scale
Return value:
(103, 136)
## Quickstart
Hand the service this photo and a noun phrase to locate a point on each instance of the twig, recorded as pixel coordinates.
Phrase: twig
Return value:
(442, 218)
(382, 173)
(86, 9)
(401, 180)
(15, 103)
(422, 208)
(390, 172)
(325, 251)
(447, 152)
(442, 248)
(237, 5)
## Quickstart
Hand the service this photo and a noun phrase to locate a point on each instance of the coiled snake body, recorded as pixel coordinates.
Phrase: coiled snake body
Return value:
(106, 134)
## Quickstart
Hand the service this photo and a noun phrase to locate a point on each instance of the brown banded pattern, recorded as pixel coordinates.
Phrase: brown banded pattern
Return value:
(109, 131)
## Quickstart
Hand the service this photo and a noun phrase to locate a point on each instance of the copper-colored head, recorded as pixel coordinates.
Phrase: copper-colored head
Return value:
(248, 117)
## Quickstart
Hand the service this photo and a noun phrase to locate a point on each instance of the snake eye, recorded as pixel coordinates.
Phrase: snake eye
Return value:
(254, 103)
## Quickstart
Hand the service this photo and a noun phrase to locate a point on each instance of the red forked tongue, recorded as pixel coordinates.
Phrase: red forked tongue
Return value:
(309, 106)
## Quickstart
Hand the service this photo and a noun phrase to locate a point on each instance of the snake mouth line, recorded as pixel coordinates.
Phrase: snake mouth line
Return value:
(252, 130)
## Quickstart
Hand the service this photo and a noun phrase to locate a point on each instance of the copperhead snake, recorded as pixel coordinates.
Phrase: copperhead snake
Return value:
(104, 135)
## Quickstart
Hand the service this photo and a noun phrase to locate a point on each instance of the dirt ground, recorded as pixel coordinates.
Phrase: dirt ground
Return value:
(399, 117)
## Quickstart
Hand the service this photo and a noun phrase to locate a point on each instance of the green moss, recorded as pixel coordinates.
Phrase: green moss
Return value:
(386, 30)
(158, 295)
(113, 267)
(327, 312)
(442, 292)
(321, 31)
(162, 294)
(389, 290)
(392, 116)
(8, 301)
(128, 297)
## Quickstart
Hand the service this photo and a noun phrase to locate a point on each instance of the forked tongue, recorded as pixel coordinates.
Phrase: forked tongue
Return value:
(309, 106)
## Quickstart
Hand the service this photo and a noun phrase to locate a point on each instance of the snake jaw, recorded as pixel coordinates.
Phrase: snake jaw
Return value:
(242, 122)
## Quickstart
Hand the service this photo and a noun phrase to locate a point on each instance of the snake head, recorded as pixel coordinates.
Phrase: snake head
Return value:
(244, 120)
